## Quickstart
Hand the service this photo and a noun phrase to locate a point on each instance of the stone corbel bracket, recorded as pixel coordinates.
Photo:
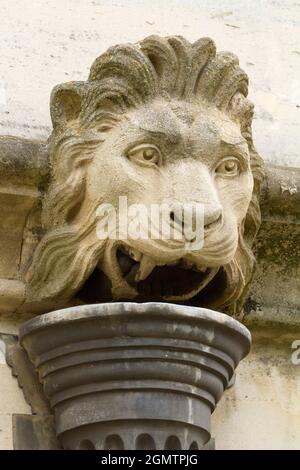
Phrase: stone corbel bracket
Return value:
(35, 431)
(23, 168)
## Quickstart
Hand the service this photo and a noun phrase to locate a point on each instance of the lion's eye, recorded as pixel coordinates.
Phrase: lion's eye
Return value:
(145, 155)
(229, 167)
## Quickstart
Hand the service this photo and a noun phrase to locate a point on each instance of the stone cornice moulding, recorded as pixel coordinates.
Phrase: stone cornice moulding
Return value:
(23, 174)
(275, 289)
(22, 163)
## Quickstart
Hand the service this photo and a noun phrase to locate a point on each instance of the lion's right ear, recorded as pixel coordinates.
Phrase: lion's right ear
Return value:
(65, 104)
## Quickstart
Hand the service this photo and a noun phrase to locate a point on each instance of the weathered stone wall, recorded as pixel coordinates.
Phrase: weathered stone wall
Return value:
(45, 42)
(261, 411)
(11, 396)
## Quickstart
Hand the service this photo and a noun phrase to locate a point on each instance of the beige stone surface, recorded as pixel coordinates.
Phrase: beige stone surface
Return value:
(261, 411)
(11, 401)
(14, 209)
(45, 42)
(10, 325)
(12, 294)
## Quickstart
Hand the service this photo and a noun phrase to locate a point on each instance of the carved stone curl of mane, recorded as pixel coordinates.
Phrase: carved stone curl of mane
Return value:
(124, 78)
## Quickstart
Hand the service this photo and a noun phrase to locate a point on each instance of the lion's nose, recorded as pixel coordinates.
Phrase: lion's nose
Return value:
(185, 219)
(176, 220)
(190, 220)
(212, 216)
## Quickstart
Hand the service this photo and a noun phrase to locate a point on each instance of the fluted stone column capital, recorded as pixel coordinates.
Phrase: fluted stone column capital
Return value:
(134, 376)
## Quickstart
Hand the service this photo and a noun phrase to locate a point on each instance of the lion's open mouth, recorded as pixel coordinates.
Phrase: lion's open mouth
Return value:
(138, 277)
(181, 280)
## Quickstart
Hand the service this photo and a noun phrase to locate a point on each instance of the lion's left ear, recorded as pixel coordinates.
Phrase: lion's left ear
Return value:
(65, 103)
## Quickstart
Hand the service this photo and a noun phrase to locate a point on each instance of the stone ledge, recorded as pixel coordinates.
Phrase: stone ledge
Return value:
(281, 194)
(23, 162)
(275, 291)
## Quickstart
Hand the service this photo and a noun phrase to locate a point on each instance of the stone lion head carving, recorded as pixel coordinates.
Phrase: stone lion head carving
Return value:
(159, 120)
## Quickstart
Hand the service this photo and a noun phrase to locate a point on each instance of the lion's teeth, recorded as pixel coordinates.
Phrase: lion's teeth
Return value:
(188, 264)
(146, 268)
(136, 255)
(202, 268)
